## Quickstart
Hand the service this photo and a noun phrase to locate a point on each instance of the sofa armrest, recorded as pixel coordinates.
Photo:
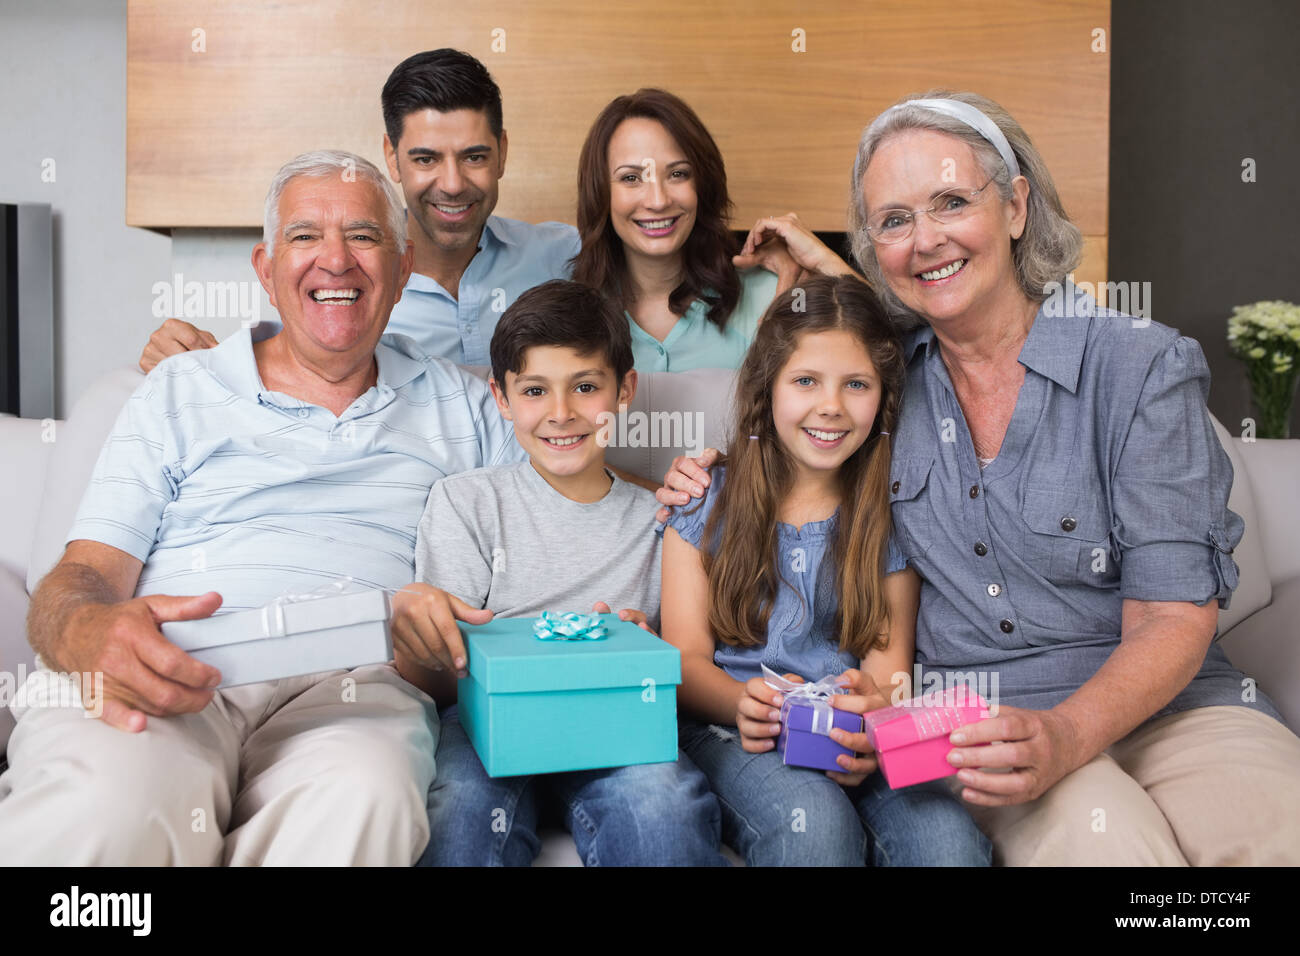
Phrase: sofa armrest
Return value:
(1266, 646)
(17, 659)
(1273, 465)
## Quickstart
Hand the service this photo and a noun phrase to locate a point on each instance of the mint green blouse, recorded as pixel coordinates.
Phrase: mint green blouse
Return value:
(695, 342)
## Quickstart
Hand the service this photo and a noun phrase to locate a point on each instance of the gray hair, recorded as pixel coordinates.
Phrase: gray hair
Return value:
(323, 163)
(1051, 245)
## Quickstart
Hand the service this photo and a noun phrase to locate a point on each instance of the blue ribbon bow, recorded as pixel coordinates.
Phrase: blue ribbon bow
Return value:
(569, 627)
(816, 694)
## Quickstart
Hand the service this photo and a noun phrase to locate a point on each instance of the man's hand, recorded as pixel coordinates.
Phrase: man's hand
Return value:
(1038, 746)
(627, 614)
(425, 631)
(687, 479)
(172, 338)
(144, 673)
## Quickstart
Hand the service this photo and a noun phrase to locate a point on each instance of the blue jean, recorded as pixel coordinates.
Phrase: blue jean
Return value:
(659, 814)
(774, 815)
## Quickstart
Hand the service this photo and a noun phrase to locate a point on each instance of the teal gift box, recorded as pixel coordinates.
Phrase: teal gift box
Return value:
(534, 706)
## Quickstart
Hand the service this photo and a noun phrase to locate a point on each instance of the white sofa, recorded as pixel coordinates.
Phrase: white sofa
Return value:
(46, 466)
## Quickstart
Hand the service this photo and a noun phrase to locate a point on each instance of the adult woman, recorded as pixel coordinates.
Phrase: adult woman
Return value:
(1058, 485)
(652, 214)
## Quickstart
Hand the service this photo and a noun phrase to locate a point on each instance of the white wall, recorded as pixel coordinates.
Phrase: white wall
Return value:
(63, 97)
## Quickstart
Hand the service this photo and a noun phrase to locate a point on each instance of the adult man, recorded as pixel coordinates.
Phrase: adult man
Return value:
(251, 469)
(445, 145)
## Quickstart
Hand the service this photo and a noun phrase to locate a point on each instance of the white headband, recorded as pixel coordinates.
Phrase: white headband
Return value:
(972, 118)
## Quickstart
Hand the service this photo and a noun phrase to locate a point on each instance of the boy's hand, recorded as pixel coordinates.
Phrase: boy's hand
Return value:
(758, 714)
(425, 631)
(627, 614)
(172, 338)
(863, 696)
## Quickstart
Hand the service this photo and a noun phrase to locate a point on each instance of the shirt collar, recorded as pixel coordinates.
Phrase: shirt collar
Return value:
(496, 229)
(1053, 348)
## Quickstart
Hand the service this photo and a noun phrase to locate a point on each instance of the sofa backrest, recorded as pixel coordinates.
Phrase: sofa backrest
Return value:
(672, 413)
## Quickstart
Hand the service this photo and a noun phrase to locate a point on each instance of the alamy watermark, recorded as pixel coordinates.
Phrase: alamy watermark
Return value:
(51, 689)
(179, 299)
(1133, 298)
(639, 429)
(929, 689)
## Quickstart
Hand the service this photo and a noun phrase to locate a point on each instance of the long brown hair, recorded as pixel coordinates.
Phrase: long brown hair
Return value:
(743, 571)
(707, 272)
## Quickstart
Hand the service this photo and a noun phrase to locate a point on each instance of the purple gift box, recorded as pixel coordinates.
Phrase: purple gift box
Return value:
(804, 727)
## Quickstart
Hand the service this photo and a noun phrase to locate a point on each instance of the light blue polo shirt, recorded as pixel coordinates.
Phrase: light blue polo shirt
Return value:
(216, 483)
(695, 342)
(512, 257)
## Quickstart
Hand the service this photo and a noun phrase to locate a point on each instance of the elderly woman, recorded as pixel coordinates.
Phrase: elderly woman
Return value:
(1059, 487)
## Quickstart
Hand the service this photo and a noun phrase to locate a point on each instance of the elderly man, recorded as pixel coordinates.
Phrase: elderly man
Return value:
(246, 471)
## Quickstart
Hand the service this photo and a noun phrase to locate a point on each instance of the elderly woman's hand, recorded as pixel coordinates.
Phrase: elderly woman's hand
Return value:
(1039, 747)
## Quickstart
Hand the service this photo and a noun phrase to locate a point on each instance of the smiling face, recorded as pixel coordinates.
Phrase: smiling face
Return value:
(449, 166)
(945, 271)
(555, 403)
(652, 200)
(335, 272)
(824, 401)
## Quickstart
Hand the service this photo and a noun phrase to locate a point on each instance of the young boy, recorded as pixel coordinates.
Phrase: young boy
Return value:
(558, 532)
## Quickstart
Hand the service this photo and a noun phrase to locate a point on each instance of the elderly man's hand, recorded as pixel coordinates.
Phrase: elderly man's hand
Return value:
(1039, 747)
(687, 479)
(144, 673)
(425, 631)
(172, 338)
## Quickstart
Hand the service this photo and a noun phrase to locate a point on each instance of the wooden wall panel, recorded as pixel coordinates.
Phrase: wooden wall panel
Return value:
(206, 130)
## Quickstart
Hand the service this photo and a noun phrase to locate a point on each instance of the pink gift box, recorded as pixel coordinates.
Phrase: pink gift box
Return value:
(911, 738)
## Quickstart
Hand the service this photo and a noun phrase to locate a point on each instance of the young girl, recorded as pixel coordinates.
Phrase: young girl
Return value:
(788, 562)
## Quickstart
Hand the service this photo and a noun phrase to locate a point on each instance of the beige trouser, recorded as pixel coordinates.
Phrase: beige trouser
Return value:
(313, 770)
(1214, 786)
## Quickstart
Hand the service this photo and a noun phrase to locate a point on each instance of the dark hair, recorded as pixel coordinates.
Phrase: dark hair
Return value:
(743, 571)
(442, 80)
(566, 314)
(706, 256)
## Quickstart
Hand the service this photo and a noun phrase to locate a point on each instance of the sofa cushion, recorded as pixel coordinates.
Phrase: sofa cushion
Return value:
(16, 657)
(75, 451)
(26, 451)
(1254, 587)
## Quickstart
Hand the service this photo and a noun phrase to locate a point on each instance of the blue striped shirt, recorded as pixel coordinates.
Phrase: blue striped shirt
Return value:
(216, 483)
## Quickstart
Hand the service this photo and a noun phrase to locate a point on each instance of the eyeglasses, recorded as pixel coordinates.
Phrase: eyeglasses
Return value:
(895, 225)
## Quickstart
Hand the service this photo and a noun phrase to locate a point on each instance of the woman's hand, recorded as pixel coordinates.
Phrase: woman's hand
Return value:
(1039, 746)
(758, 714)
(863, 696)
(686, 479)
(798, 242)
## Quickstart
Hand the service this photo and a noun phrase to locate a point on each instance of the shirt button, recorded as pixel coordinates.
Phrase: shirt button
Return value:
(1068, 523)
(660, 349)
(994, 590)
(981, 548)
(1007, 626)
(895, 486)
(303, 413)
(974, 491)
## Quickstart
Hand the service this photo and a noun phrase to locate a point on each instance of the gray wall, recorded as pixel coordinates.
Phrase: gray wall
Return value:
(64, 98)
(1196, 87)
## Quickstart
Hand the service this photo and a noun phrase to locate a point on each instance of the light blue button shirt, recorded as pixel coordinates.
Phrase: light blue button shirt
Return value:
(217, 483)
(695, 342)
(513, 257)
(1110, 484)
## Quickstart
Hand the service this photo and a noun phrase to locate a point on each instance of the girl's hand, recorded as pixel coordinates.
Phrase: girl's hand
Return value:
(863, 696)
(804, 248)
(1038, 746)
(758, 714)
(627, 614)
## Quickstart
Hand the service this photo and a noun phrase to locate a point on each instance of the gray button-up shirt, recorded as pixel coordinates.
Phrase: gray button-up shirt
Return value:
(1110, 484)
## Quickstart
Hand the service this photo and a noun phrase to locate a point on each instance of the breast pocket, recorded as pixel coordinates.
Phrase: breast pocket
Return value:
(1069, 537)
(909, 502)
